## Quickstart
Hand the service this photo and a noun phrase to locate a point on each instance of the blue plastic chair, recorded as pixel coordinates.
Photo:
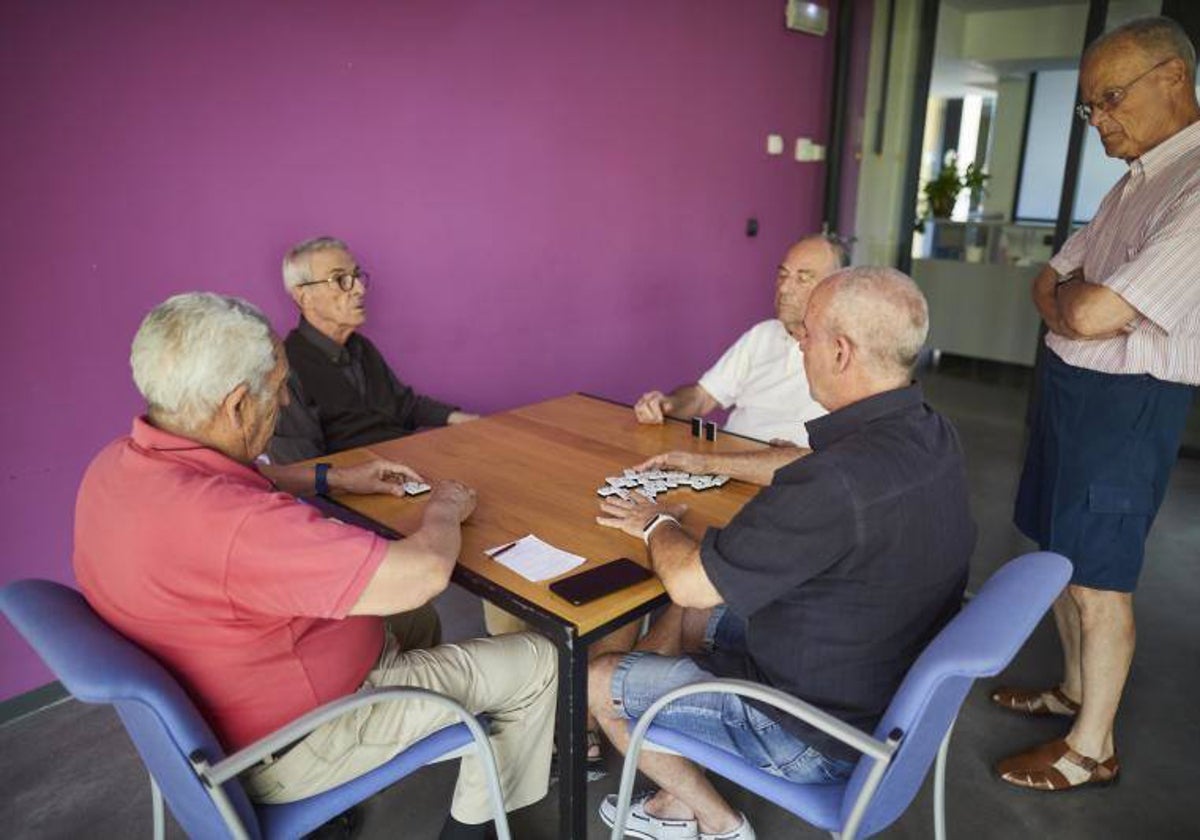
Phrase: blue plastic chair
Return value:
(979, 642)
(187, 764)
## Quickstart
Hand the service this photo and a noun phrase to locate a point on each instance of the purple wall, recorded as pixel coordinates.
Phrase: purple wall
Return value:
(551, 197)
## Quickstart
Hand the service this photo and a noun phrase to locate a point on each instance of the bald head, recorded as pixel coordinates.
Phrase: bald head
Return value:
(1156, 38)
(804, 264)
(883, 312)
(1137, 85)
(862, 332)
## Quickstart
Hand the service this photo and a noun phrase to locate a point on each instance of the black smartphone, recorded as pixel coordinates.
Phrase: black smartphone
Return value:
(600, 581)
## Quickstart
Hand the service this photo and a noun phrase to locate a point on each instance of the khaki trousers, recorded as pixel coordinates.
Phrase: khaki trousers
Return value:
(419, 628)
(512, 678)
(498, 622)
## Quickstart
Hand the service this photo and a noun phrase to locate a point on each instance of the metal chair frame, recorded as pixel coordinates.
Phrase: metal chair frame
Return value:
(71, 638)
(933, 693)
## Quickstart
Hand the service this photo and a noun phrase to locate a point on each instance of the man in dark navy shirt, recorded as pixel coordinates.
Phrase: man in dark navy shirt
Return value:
(827, 585)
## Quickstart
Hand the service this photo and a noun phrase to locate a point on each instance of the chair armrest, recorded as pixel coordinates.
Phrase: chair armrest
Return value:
(807, 712)
(248, 756)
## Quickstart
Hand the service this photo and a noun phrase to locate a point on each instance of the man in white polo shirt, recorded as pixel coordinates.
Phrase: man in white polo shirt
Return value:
(762, 374)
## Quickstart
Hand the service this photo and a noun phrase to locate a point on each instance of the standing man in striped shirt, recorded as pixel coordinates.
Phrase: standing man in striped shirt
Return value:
(1121, 301)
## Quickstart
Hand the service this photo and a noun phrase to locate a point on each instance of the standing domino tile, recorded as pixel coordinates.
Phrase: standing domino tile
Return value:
(415, 488)
(710, 431)
(697, 425)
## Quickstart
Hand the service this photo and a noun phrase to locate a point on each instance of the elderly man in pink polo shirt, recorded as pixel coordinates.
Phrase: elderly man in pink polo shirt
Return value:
(1121, 301)
(265, 610)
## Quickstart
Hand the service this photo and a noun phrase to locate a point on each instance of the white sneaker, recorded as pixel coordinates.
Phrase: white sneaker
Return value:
(743, 832)
(646, 826)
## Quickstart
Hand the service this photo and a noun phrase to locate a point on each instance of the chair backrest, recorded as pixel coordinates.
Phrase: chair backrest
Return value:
(980, 641)
(99, 665)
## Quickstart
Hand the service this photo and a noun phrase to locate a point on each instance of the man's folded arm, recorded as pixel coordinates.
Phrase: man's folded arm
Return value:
(1093, 311)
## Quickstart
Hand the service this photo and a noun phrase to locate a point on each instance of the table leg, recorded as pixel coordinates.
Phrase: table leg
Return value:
(570, 731)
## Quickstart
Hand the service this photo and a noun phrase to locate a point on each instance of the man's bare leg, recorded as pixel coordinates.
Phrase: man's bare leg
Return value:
(684, 791)
(1108, 637)
(617, 641)
(1066, 619)
(677, 630)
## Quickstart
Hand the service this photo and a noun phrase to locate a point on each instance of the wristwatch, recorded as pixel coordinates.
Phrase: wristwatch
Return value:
(322, 478)
(659, 518)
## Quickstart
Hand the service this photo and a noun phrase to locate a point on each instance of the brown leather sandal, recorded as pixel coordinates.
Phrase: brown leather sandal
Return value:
(1050, 702)
(1057, 767)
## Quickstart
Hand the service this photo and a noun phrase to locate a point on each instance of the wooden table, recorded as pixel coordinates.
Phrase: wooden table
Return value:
(536, 470)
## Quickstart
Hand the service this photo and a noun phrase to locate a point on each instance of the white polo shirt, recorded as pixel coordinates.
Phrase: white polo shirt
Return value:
(762, 375)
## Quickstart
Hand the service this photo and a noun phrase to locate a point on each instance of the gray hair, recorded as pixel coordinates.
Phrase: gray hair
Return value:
(883, 313)
(1160, 38)
(297, 268)
(193, 349)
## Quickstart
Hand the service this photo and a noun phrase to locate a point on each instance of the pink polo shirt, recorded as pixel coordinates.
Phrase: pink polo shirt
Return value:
(240, 590)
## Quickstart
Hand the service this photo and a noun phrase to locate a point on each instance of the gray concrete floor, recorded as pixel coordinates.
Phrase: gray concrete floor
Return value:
(69, 771)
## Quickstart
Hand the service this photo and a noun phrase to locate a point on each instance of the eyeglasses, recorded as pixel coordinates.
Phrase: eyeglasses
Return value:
(344, 280)
(1112, 97)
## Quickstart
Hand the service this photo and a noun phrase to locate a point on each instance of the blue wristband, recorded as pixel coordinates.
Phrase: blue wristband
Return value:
(322, 481)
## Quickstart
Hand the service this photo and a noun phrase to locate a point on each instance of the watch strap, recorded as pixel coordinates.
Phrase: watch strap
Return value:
(321, 481)
(658, 519)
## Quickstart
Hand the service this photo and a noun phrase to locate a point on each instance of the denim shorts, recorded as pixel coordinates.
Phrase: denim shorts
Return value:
(724, 721)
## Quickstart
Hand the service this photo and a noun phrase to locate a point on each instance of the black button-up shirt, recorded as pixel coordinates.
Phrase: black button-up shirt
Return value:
(849, 563)
(381, 407)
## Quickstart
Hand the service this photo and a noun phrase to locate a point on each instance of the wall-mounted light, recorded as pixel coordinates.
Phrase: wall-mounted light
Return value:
(812, 18)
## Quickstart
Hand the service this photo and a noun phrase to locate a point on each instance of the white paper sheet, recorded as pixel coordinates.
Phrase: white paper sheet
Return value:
(534, 559)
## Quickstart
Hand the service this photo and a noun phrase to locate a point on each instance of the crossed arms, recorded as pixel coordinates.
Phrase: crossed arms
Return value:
(1077, 309)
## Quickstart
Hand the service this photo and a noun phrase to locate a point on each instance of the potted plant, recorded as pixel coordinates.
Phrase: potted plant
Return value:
(941, 192)
(975, 179)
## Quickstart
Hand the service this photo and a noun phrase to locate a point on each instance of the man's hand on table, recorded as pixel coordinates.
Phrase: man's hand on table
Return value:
(757, 467)
(692, 462)
(633, 516)
(378, 476)
(674, 554)
(455, 497)
(652, 407)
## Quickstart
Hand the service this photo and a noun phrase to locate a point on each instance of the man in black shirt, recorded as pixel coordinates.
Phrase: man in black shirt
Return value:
(342, 392)
(827, 585)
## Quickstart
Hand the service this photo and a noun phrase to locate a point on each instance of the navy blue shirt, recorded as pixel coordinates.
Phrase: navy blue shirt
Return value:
(849, 562)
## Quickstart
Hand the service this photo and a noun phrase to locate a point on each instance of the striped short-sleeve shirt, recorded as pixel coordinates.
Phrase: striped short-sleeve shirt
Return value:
(1144, 244)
